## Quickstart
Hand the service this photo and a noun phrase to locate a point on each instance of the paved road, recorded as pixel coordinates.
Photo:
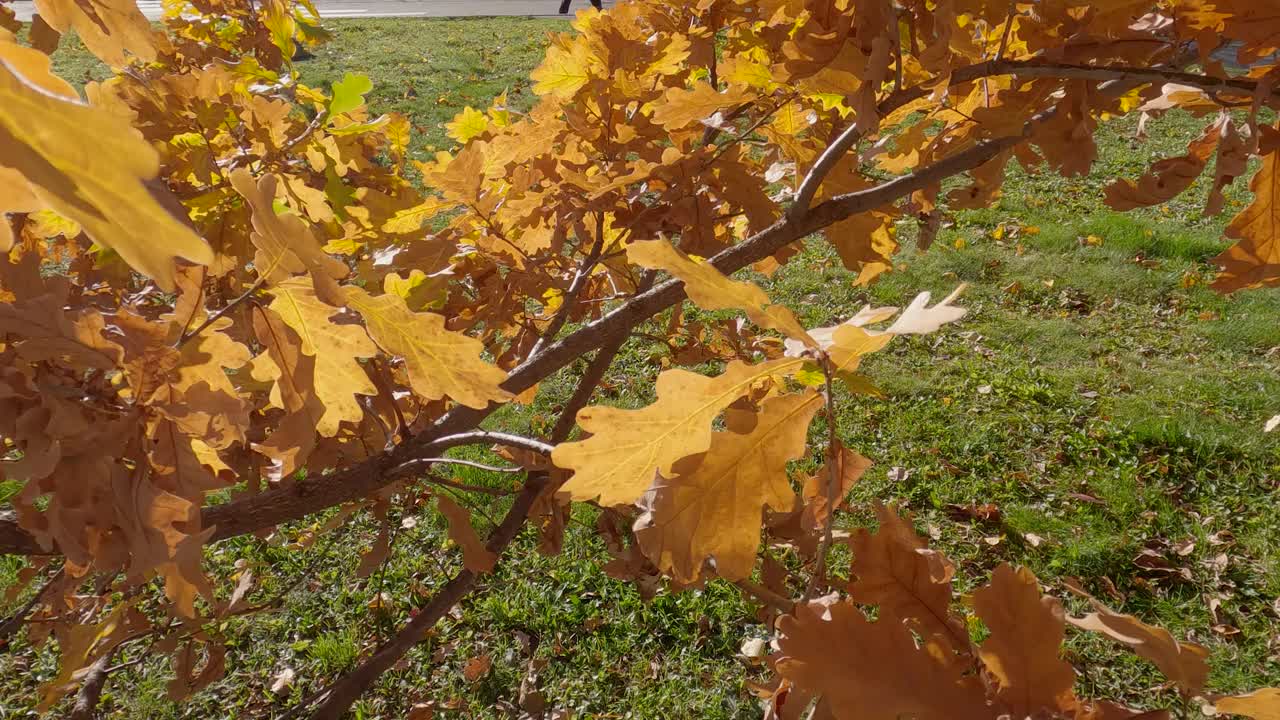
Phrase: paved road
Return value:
(395, 8)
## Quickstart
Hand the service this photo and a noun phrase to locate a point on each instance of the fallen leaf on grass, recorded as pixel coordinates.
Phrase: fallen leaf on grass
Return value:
(985, 513)
(477, 667)
(283, 682)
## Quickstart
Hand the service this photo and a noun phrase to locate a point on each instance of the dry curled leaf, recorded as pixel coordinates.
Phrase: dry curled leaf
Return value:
(475, 556)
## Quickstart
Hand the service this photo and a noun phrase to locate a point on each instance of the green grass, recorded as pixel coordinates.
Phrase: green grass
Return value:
(1098, 394)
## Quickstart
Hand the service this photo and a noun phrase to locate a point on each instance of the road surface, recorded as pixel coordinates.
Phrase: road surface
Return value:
(395, 8)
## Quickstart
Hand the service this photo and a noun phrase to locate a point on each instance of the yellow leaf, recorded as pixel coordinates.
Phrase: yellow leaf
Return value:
(336, 348)
(91, 168)
(712, 290)
(111, 29)
(286, 244)
(411, 219)
(35, 67)
(440, 362)
(679, 107)
(671, 60)
(710, 505)
(467, 124)
(565, 70)
(617, 463)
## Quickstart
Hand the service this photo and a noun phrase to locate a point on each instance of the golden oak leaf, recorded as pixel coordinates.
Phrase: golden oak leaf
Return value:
(175, 465)
(475, 556)
(163, 533)
(1166, 178)
(896, 571)
(617, 463)
(109, 28)
(461, 178)
(440, 362)
(712, 290)
(35, 67)
(467, 124)
(286, 243)
(293, 438)
(872, 670)
(1022, 651)
(866, 243)
(566, 69)
(79, 644)
(336, 346)
(710, 505)
(850, 467)
(1254, 261)
(679, 107)
(411, 219)
(1182, 662)
(1263, 704)
(200, 398)
(90, 167)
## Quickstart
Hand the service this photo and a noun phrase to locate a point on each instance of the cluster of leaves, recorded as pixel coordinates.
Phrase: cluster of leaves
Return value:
(917, 659)
(219, 280)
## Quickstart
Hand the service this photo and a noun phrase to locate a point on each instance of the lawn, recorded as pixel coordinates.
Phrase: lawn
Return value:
(1100, 404)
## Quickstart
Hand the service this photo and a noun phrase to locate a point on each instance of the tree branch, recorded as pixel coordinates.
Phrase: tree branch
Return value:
(1025, 68)
(187, 336)
(95, 680)
(575, 288)
(313, 494)
(339, 696)
(14, 622)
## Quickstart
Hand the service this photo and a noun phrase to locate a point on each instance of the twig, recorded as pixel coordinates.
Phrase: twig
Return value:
(380, 380)
(825, 163)
(127, 664)
(496, 492)
(186, 336)
(570, 299)
(339, 696)
(1008, 26)
(477, 437)
(455, 461)
(767, 596)
(306, 133)
(833, 481)
(14, 622)
(91, 688)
